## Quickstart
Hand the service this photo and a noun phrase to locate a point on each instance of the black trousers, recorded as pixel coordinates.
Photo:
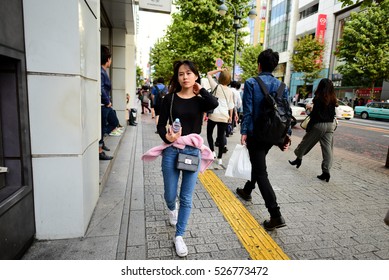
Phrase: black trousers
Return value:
(258, 152)
(221, 136)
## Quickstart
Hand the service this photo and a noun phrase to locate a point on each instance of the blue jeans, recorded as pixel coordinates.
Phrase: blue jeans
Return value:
(170, 178)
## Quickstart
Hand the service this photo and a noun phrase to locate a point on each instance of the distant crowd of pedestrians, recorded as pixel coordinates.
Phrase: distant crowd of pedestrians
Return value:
(220, 103)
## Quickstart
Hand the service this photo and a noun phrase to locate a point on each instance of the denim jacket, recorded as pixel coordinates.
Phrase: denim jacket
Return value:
(251, 87)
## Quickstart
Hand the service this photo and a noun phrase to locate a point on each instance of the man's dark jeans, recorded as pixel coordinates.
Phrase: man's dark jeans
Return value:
(109, 120)
(258, 152)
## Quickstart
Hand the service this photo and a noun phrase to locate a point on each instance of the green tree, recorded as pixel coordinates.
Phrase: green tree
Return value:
(139, 76)
(248, 61)
(161, 60)
(364, 3)
(364, 47)
(308, 59)
(200, 34)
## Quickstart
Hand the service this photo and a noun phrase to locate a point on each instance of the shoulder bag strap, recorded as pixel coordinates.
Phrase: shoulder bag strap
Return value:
(280, 90)
(171, 107)
(263, 88)
(213, 92)
(224, 95)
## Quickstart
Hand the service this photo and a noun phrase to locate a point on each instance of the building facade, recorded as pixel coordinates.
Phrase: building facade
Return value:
(288, 20)
(50, 112)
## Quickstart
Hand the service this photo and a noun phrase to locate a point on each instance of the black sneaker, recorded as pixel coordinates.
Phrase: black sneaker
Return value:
(103, 156)
(243, 194)
(274, 223)
(105, 148)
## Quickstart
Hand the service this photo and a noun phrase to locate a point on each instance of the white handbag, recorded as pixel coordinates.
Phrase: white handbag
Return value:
(305, 122)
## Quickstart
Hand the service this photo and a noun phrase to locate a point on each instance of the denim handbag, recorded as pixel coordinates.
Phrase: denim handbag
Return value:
(187, 162)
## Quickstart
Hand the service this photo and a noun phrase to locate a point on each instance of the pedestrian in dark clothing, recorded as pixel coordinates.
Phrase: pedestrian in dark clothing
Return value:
(106, 105)
(320, 128)
(252, 100)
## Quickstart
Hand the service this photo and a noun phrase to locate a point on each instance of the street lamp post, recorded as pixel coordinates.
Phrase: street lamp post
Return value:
(222, 11)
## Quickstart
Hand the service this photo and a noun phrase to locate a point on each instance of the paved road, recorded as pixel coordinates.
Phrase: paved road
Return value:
(368, 138)
(342, 219)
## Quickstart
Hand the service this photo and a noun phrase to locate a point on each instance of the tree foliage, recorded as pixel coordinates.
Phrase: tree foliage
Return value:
(308, 59)
(139, 76)
(200, 34)
(248, 61)
(364, 47)
(365, 3)
(161, 60)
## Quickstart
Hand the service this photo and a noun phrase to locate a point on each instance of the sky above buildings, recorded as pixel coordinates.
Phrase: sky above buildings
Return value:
(152, 26)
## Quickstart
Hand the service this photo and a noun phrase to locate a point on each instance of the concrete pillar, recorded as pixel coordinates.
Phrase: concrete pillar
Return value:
(131, 69)
(62, 53)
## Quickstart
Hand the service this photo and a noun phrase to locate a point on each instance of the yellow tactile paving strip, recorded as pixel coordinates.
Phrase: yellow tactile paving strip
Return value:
(254, 238)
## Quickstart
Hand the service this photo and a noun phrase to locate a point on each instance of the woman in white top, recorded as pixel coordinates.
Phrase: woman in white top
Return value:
(222, 114)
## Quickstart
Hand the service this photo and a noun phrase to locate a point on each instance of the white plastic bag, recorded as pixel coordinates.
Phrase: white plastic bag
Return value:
(239, 165)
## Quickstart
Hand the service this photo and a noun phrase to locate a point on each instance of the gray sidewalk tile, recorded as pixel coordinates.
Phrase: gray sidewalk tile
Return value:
(340, 220)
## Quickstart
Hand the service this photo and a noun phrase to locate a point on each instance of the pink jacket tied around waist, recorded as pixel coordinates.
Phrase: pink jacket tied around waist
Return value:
(193, 140)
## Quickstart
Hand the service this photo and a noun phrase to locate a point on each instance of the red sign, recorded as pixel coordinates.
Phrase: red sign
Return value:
(367, 91)
(321, 27)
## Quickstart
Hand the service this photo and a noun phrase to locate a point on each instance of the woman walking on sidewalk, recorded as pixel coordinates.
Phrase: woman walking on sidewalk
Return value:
(321, 128)
(222, 115)
(187, 101)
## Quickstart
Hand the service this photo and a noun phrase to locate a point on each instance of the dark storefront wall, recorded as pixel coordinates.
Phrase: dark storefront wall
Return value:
(17, 225)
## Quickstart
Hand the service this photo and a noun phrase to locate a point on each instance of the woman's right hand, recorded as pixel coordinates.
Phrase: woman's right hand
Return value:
(196, 88)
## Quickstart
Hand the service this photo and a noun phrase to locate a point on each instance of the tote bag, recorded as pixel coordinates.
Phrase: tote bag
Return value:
(305, 122)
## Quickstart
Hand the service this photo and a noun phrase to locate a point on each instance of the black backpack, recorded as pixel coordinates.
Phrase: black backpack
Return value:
(275, 116)
(161, 93)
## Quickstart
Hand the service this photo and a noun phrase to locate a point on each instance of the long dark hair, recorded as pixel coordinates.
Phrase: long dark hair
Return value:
(174, 85)
(325, 93)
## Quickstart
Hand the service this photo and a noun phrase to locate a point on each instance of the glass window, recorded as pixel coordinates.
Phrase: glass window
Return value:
(309, 11)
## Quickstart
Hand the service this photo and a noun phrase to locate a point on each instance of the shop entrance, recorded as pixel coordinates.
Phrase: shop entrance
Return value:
(17, 225)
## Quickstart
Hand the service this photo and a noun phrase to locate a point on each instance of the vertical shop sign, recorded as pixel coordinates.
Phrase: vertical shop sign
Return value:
(321, 27)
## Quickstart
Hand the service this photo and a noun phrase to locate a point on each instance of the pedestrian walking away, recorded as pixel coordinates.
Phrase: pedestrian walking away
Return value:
(222, 115)
(187, 101)
(253, 98)
(158, 91)
(145, 97)
(320, 128)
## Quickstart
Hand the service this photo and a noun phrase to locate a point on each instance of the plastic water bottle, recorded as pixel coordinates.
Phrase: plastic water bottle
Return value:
(176, 125)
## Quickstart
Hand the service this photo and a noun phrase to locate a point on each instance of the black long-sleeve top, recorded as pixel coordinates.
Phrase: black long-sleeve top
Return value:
(321, 113)
(189, 111)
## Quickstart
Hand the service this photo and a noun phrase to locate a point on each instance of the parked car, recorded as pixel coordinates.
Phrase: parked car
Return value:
(304, 102)
(343, 111)
(377, 110)
(298, 113)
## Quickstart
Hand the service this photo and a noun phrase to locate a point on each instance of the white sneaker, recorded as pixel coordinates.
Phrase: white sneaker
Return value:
(220, 161)
(181, 248)
(214, 154)
(115, 132)
(173, 215)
